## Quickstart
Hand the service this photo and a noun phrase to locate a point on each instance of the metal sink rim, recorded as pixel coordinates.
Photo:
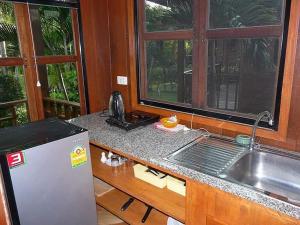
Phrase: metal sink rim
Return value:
(262, 149)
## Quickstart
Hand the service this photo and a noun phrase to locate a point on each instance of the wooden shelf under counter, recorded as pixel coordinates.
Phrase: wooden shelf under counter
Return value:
(113, 201)
(122, 178)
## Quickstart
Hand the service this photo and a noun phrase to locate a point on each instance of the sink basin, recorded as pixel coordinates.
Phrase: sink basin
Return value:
(275, 174)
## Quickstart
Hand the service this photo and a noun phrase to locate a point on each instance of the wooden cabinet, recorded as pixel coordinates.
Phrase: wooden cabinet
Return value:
(209, 206)
(164, 202)
(203, 204)
(212, 221)
(3, 212)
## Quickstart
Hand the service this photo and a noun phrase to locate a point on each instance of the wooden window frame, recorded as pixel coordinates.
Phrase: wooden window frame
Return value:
(27, 60)
(218, 124)
(74, 58)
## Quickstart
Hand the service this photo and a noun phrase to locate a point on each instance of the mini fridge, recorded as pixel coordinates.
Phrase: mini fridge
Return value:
(47, 175)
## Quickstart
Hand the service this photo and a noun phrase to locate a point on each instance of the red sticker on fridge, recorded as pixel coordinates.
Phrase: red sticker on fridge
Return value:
(15, 159)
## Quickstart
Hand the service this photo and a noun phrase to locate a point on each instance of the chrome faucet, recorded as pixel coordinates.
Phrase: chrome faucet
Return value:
(259, 117)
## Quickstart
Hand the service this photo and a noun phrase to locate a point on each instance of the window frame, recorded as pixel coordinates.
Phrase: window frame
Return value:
(200, 35)
(72, 58)
(29, 60)
(219, 125)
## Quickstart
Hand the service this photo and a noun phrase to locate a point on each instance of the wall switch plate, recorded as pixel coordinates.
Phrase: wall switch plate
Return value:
(122, 80)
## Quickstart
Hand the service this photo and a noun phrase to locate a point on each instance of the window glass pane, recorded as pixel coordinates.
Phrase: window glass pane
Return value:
(169, 70)
(60, 90)
(244, 13)
(9, 43)
(168, 15)
(55, 25)
(13, 102)
(242, 74)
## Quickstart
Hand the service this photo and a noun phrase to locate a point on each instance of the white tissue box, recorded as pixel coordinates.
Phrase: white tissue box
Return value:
(172, 221)
(140, 173)
(176, 185)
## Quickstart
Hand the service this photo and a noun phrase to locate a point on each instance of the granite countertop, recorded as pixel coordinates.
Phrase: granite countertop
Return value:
(152, 145)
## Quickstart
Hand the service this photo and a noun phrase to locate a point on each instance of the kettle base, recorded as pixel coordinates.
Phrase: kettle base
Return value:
(133, 120)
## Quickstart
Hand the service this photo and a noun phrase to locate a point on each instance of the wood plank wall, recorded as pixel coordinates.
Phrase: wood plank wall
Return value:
(293, 136)
(95, 25)
(294, 122)
(119, 47)
(118, 57)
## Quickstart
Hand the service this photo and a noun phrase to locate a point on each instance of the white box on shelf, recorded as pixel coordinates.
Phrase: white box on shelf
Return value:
(140, 172)
(176, 185)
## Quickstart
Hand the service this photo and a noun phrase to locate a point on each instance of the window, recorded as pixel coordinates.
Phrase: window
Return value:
(53, 34)
(40, 62)
(216, 58)
(13, 91)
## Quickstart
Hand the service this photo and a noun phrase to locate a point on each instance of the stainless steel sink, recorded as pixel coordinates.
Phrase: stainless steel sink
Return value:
(273, 172)
(276, 174)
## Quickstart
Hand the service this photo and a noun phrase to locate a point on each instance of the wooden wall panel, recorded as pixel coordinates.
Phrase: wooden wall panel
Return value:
(119, 47)
(4, 217)
(294, 125)
(95, 24)
(293, 137)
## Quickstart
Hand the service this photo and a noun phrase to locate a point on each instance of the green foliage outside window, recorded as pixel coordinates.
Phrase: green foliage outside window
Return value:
(57, 37)
(239, 58)
(12, 89)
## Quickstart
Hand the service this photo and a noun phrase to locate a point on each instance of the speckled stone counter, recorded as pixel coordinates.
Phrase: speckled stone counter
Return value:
(152, 145)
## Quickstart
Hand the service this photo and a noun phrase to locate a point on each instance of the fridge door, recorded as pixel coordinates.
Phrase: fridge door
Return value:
(49, 190)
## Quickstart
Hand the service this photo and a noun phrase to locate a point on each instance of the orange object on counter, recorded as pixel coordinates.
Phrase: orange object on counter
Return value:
(166, 122)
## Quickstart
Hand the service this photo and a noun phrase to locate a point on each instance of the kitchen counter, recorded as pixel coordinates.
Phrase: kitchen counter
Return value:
(151, 145)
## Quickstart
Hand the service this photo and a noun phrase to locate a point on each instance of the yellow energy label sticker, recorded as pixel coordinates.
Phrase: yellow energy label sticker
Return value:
(78, 157)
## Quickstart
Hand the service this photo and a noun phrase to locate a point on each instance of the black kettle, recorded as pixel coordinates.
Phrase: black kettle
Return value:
(116, 106)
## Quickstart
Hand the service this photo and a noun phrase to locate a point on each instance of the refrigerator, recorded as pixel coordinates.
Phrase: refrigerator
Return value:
(47, 175)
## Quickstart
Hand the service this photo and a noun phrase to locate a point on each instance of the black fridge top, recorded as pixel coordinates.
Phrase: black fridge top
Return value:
(35, 133)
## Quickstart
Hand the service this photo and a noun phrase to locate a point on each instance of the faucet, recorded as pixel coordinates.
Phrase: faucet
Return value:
(259, 117)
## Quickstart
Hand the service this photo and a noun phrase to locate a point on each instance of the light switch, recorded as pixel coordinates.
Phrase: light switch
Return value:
(122, 80)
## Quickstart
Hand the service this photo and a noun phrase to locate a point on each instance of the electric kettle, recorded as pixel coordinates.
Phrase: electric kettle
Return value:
(116, 106)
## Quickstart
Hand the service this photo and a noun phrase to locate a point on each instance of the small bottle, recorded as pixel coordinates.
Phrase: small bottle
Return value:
(114, 161)
(110, 154)
(103, 157)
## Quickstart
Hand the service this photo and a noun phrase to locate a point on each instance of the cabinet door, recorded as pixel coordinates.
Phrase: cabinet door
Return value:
(228, 209)
(214, 207)
(196, 204)
(262, 215)
(213, 221)
(209, 206)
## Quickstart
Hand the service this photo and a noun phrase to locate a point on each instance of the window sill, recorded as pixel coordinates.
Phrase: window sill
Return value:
(214, 125)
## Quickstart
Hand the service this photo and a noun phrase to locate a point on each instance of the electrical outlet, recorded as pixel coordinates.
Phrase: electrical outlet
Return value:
(122, 80)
